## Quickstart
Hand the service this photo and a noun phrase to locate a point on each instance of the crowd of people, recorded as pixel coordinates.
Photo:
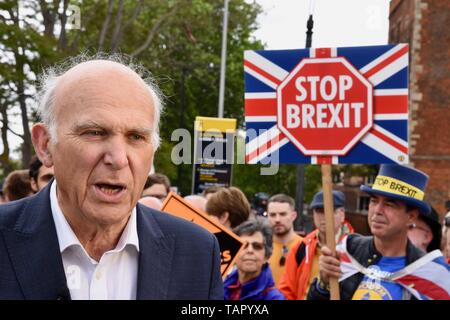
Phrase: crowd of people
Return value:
(89, 214)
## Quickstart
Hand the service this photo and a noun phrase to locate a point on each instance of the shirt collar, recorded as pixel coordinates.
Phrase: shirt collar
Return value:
(67, 238)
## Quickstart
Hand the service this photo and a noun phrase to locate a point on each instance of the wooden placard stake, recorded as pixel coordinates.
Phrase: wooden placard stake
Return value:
(327, 187)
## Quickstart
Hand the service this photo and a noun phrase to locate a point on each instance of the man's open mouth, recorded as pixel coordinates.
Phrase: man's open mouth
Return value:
(110, 188)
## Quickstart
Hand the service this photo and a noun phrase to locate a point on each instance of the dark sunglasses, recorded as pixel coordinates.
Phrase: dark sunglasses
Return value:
(256, 245)
(283, 257)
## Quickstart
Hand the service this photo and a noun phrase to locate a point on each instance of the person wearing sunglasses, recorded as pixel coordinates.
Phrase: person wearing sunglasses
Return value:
(252, 278)
(281, 215)
(302, 263)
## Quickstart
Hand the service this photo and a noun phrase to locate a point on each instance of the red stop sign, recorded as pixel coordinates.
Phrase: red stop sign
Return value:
(324, 106)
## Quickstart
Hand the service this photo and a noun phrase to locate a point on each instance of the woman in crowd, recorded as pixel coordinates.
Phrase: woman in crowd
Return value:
(252, 278)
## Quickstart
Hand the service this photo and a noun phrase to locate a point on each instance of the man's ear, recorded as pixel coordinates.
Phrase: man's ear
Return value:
(294, 215)
(413, 215)
(41, 141)
(33, 184)
(224, 217)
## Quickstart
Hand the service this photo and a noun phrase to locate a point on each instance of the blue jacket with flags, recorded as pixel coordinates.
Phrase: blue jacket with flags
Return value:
(260, 288)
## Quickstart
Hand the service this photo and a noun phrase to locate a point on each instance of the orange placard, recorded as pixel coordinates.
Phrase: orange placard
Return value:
(230, 244)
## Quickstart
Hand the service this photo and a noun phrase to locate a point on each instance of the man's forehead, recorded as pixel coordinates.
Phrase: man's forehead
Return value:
(279, 205)
(101, 83)
(388, 199)
(98, 66)
(101, 72)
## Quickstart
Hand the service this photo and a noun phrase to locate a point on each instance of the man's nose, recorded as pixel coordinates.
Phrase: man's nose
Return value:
(378, 208)
(116, 154)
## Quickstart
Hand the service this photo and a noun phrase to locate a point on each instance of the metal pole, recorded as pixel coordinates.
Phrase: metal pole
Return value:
(223, 59)
(300, 186)
(309, 32)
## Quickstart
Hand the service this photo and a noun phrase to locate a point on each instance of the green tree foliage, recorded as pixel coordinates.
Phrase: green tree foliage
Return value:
(24, 48)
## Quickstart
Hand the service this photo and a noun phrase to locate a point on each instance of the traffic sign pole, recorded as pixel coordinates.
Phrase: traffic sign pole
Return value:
(327, 187)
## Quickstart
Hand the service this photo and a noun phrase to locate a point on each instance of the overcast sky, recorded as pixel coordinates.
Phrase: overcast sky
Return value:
(336, 23)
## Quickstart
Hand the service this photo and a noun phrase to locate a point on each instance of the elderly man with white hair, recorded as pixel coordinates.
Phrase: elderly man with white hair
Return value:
(85, 236)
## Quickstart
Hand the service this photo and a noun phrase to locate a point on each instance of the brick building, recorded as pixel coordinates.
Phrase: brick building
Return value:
(424, 25)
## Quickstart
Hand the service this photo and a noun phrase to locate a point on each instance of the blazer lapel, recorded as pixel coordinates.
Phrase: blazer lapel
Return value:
(155, 257)
(34, 251)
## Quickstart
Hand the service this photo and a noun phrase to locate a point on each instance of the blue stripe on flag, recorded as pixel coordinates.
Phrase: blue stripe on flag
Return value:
(441, 261)
(396, 127)
(362, 151)
(254, 85)
(359, 57)
(286, 59)
(396, 81)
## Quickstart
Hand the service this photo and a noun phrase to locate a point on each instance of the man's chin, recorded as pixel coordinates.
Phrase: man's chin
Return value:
(281, 232)
(109, 214)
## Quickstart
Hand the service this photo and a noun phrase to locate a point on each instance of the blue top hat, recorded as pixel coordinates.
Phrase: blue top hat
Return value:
(338, 200)
(402, 183)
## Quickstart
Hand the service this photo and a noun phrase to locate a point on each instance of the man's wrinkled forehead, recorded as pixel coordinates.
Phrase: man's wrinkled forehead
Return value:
(388, 200)
(100, 76)
(97, 67)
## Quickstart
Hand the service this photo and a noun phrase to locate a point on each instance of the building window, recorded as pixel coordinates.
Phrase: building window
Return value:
(363, 203)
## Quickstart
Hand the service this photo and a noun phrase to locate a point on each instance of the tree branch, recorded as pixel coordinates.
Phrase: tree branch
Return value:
(62, 43)
(87, 18)
(155, 28)
(49, 15)
(15, 133)
(136, 12)
(105, 25)
(117, 25)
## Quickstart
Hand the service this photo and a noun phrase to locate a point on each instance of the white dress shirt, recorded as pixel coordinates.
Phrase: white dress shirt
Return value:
(114, 277)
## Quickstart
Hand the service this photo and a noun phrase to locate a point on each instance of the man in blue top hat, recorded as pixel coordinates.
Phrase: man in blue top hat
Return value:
(374, 268)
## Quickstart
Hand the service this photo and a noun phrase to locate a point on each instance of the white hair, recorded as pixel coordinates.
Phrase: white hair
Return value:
(51, 76)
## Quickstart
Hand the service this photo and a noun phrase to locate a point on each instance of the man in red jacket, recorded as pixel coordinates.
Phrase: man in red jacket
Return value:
(302, 263)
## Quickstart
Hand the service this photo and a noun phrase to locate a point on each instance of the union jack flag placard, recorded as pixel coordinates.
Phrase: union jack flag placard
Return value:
(327, 105)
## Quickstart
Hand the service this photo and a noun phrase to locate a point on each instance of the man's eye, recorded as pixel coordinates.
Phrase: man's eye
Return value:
(95, 133)
(136, 137)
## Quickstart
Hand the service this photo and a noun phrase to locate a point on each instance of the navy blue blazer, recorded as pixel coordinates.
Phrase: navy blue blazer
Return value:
(177, 259)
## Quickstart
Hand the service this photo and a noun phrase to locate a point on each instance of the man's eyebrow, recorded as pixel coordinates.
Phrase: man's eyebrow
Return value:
(394, 201)
(142, 131)
(77, 127)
